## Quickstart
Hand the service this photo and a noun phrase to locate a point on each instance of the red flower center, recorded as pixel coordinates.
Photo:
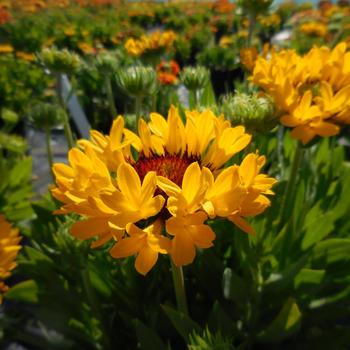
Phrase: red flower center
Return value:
(171, 166)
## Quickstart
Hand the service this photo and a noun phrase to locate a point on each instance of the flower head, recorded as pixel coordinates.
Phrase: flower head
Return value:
(152, 192)
(9, 247)
(311, 92)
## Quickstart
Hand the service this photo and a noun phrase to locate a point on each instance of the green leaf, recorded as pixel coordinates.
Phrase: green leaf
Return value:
(148, 339)
(284, 325)
(183, 324)
(284, 279)
(38, 256)
(331, 251)
(26, 291)
(318, 225)
(219, 321)
(307, 279)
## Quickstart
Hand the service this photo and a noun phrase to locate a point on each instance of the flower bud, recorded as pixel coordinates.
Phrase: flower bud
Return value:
(255, 112)
(12, 143)
(195, 78)
(59, 61)
(46, 115)
(106, 64)
(137, 80)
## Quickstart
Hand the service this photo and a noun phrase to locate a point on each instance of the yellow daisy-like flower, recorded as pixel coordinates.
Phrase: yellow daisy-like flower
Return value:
(311, 92)
(153, 192)
(9, 247)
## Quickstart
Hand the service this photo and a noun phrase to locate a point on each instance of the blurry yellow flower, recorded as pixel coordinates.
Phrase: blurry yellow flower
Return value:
(69, 31)
(29, 57)
(86, 48)
(134, 47)
(314, 28)
(159, 201)
(272, 20)
(226, 40)
(248, 57)
(5, 48)
(151, 42)
(9, 247)
(242, 34)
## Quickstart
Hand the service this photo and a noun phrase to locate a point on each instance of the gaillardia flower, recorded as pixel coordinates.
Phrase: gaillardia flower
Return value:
(9, 247)
(311, 92)
(153, 192)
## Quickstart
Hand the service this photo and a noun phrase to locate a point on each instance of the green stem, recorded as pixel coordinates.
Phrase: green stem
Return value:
(252, 21)
(68, 132)
(66, 125)
(179, 286)
(110, 97)
(138, 102)
(290, 184)
(49, 149)
(195, 98)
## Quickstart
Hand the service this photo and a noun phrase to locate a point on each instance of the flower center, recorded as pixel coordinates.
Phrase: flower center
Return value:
(171, 166)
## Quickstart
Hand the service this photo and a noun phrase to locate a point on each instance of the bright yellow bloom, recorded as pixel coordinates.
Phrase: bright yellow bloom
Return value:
(150, 43)
(9, 247)
(248, 57)
(29, 57)
(159, 200)
(311, 92)
(5, 48)
(314, 28)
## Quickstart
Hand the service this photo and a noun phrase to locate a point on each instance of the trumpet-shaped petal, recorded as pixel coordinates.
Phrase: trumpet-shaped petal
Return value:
(189, 232)
(146, 243)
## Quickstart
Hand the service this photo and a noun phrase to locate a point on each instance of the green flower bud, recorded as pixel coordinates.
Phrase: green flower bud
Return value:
(255, 112)
(195, 78)
(137, 80)
(46, 115)
(59, 61)
(106, 64)
(12, 143)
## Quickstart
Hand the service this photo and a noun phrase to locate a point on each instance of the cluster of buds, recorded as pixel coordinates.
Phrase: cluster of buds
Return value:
(255, 112)
(60, 61)
(137, 80)
(47, 115)
(195, 78)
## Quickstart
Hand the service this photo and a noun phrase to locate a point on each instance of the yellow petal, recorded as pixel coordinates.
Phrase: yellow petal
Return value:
(129, 183)
(145, 260)
(89, 228)
(127, 247)
(242, 224)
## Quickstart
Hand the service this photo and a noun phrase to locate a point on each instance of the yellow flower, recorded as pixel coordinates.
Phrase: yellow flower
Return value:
(70, 31)
(311, 92)
(134, 47)
(29, 57)
(226, 41)
(9, 247)
(152, 42)
(152, 192)
(147, 243)
(5, 48)
(248, 57)
(314, 28)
